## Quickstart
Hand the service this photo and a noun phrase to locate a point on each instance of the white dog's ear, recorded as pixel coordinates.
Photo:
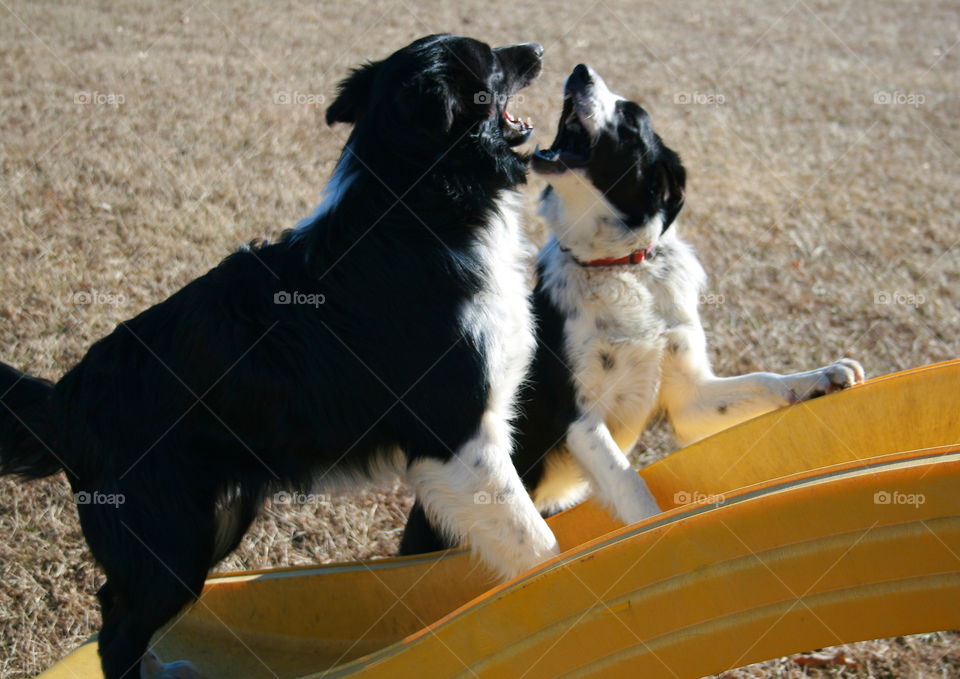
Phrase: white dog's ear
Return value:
(353, 94)
(674, 186)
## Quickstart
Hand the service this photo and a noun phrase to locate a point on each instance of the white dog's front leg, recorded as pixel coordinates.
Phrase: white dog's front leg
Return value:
(478, 495)
(615, 482)
(699, 403)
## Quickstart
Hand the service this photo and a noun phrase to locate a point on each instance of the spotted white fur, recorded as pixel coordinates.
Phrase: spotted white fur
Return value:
(635, 344)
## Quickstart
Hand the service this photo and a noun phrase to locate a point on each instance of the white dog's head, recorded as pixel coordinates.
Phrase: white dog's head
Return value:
(615, 186)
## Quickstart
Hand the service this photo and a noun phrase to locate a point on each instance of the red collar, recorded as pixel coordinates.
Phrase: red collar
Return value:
(635, 257)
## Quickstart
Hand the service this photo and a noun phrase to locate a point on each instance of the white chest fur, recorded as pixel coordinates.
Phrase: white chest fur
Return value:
(616, 322)
(499, 317)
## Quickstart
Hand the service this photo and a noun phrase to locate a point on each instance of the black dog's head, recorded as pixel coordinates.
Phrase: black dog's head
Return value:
(606, 145)
(437, 91)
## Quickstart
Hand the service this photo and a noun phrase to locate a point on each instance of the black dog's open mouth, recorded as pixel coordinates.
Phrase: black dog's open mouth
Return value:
(515, 130)
(572, 146)
(521, 64)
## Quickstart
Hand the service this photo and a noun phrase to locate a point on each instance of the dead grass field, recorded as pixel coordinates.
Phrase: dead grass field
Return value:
(141, 142)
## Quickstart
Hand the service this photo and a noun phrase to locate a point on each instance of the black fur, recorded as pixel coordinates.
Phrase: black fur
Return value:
(547, 407)
(197, 408)
(24, 420)
(644, 181)
(641, 176)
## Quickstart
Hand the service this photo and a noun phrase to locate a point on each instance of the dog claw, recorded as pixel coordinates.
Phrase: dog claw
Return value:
(843, 374)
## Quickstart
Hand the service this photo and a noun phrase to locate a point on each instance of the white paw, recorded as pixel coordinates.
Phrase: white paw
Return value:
(636, 515)
(639, 505)
(843, 374)
(152, 668)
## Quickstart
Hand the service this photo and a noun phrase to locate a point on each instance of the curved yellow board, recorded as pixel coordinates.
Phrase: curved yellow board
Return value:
(804, 559)
(800, 564)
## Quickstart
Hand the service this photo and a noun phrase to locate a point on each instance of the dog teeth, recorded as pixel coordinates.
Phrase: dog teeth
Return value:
(518, 122)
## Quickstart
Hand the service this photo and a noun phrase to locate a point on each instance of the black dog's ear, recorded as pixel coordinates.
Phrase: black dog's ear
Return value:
(435, 103)
(674, 187)
(353, 94)
(427, 103)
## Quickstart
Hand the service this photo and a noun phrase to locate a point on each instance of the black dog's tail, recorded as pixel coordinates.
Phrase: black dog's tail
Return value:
(26, 427)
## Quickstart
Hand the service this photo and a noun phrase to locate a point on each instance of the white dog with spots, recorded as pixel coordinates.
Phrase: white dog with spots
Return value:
(619, 332)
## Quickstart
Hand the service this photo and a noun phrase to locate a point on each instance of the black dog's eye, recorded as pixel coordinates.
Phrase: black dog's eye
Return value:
(628, 128)
(626, 117)
(633, 122)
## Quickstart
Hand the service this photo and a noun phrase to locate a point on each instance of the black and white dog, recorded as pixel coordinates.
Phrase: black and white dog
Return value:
(619, 334)
(390, 329)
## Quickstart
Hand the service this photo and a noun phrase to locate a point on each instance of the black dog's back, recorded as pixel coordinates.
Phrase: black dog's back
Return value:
(183, 362)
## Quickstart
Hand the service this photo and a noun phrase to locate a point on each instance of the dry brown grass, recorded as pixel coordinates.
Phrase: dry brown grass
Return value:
(806, 200)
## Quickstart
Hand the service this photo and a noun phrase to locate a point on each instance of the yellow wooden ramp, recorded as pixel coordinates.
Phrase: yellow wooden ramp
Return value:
(830, 521)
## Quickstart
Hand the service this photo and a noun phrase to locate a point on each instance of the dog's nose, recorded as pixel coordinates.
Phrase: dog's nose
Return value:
(523, 61)
(583, 74)
(526, 51)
